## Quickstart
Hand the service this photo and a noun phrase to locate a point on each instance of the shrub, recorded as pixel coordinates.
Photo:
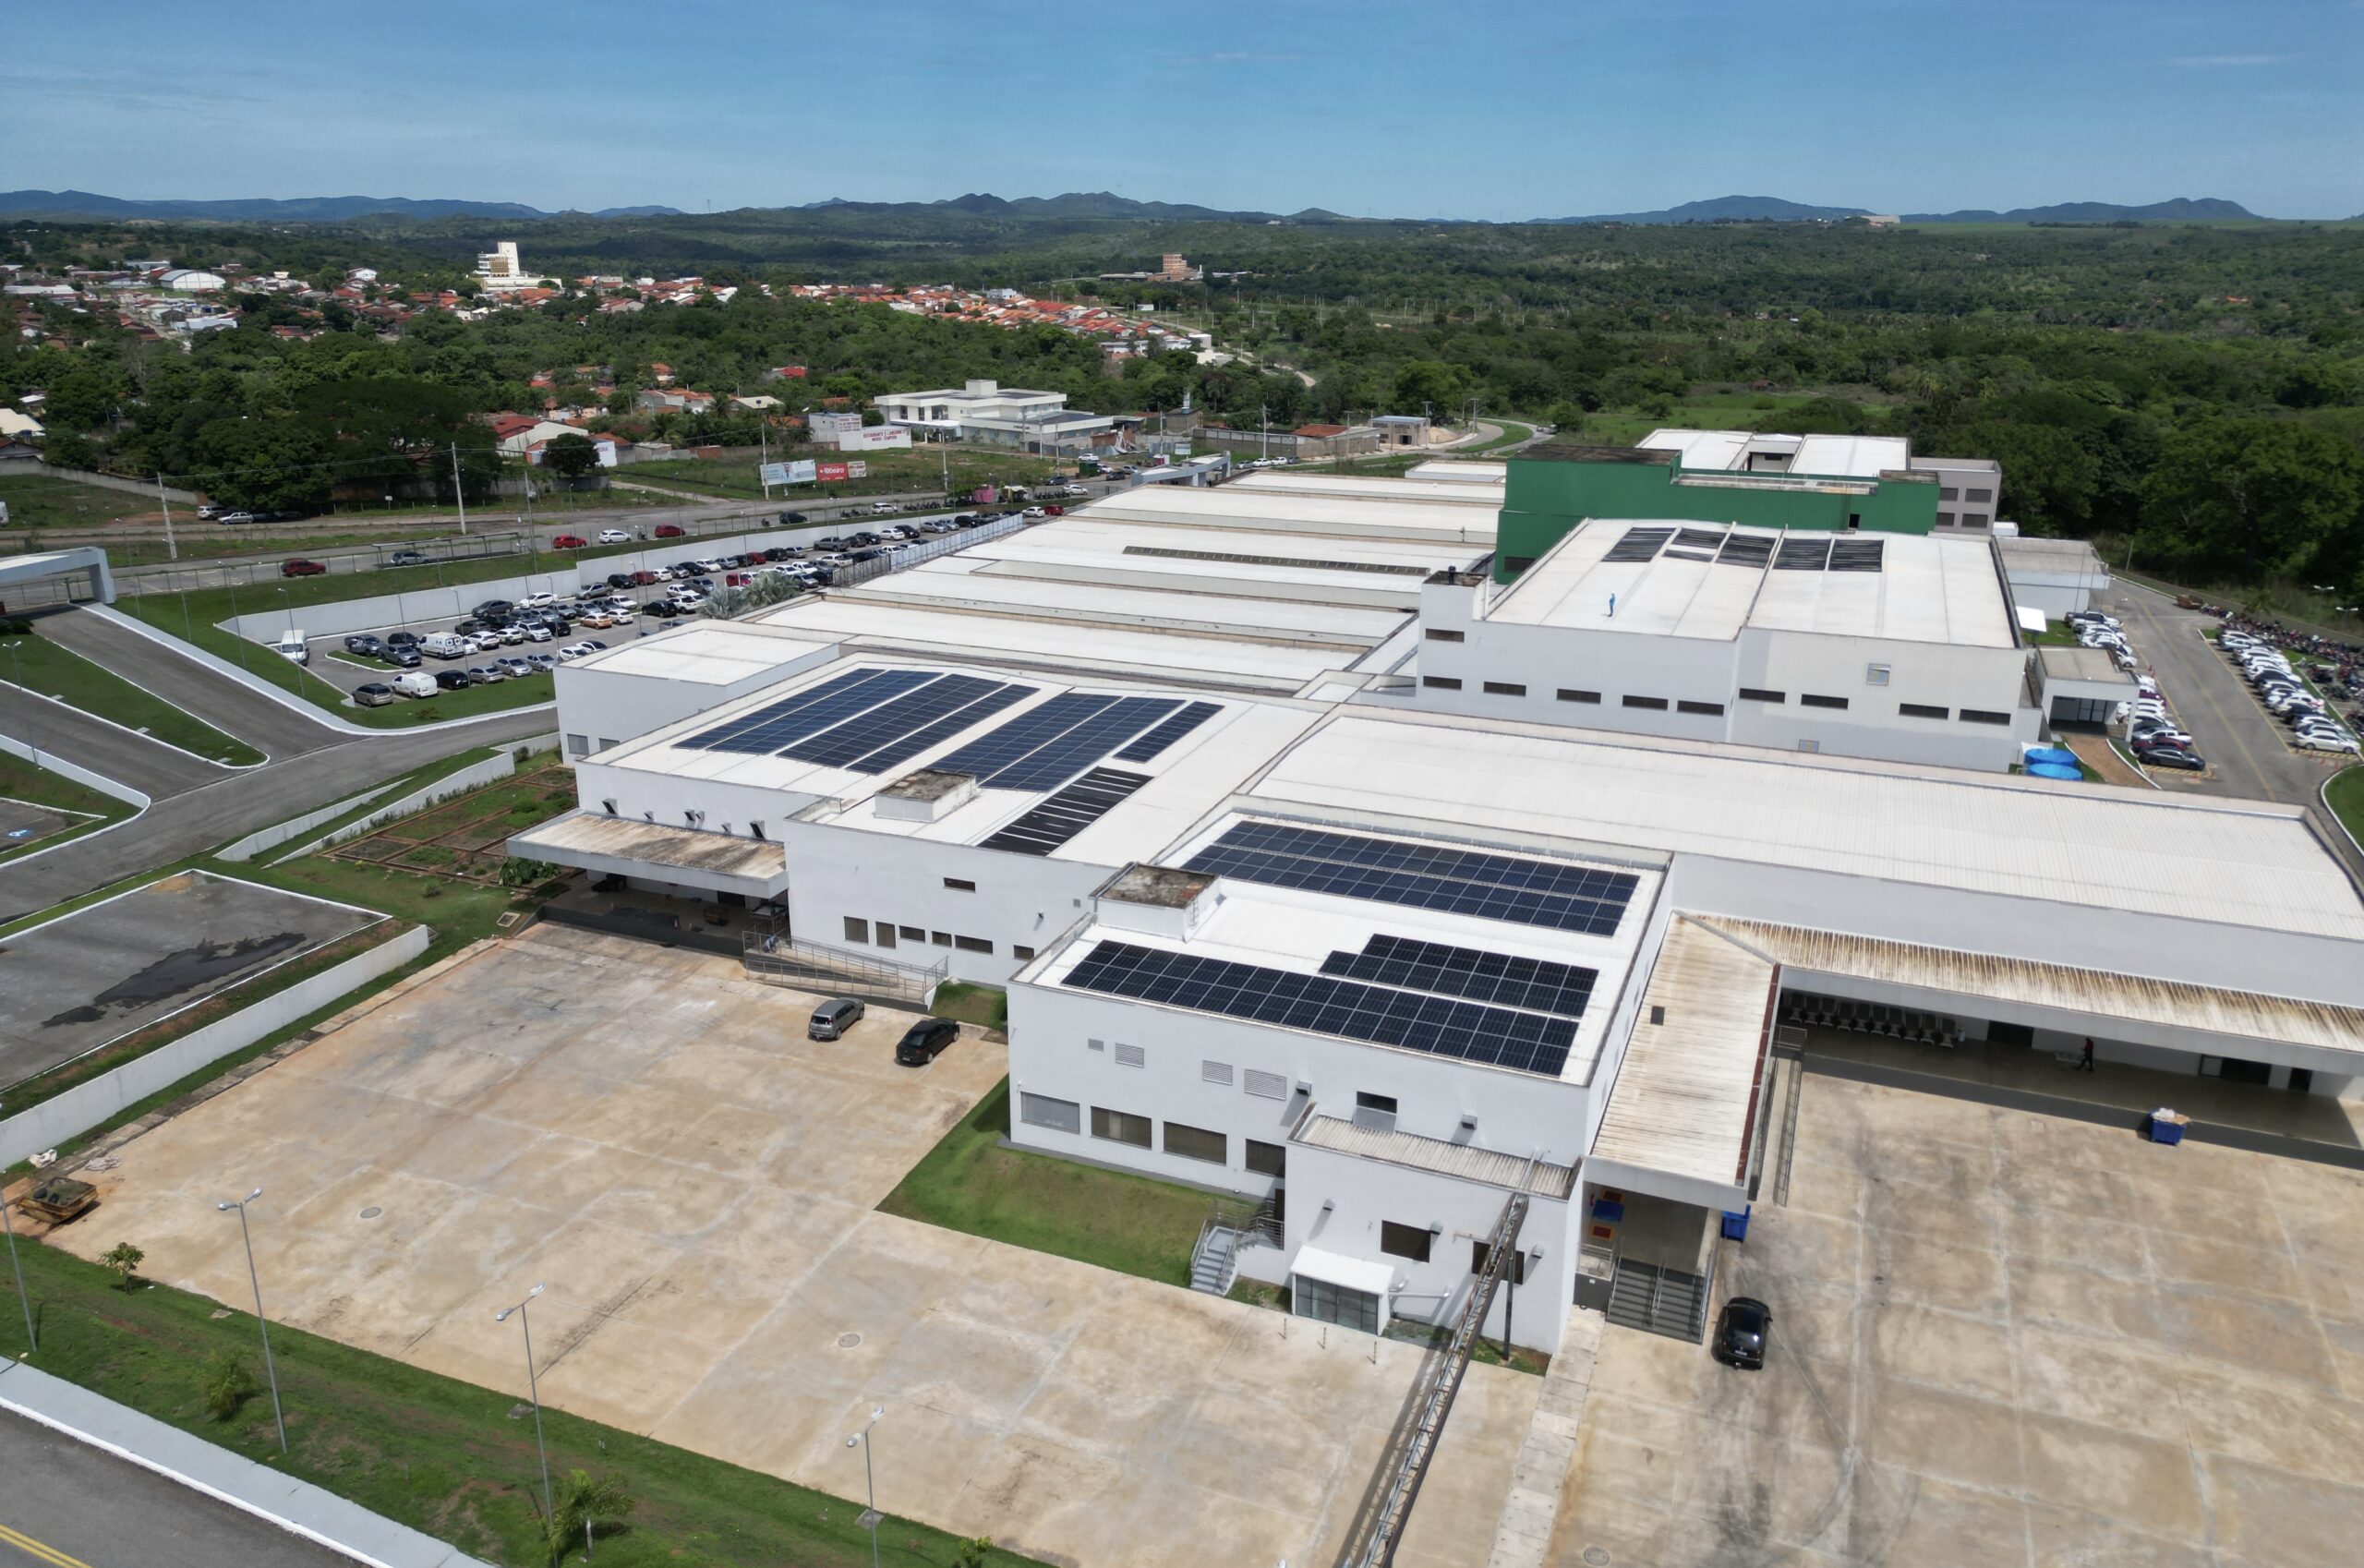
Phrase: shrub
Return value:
(122, 1261)
(229, 1382)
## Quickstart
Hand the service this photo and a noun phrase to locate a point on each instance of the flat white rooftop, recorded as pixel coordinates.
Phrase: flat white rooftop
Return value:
(709, 654)
(1462, 471)
(1460, 490)
(2235, 862)
(1684, 1094)
(1926, 590)
(1446, 519)
(1742, 451)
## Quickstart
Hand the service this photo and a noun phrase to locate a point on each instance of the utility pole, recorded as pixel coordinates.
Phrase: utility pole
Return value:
(172, 550)
(459, 495)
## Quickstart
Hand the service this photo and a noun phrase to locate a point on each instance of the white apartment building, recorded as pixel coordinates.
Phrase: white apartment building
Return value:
(501, 269)
(987, 411)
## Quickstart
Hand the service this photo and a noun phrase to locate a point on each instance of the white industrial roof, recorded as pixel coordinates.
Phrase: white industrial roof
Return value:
(1463, 471)
(1446, 518)
(1090, 546)
(715, 653)
(1685, 1089)
(1416, 486)
(2235, 862)
(1852, 458)
(1927, 590)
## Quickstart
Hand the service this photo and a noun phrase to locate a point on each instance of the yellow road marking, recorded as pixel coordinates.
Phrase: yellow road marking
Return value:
(35, 1550)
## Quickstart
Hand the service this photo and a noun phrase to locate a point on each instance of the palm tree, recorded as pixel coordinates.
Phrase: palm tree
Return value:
(586, 1504)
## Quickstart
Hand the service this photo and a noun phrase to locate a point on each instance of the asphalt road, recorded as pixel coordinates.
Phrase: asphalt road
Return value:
(150, 766)
(275, 729)
(71, 1506)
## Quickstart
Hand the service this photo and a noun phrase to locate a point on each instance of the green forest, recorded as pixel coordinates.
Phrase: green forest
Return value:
(2192, 393)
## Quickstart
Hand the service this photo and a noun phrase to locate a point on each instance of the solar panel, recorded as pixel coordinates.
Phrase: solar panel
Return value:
(1504, 887)
(1059, 759)
(942, 730)
(1801, 554)
(1746, 550)
(1168, 732)
(1674, 554)
(1535, 986)
(890, 721)
(771, 729)
(1639, 544)
(1700, 538)
(1857, 555)
(1061, 816)
(1349, 1009)
(996, 749)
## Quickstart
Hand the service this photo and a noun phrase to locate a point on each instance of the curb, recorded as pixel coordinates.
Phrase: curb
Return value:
(297, 1507)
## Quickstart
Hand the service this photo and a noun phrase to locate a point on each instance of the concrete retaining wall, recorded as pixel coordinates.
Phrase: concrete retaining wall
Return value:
(500, 765)
(255, 843)
(85, 1105)
(80, 775)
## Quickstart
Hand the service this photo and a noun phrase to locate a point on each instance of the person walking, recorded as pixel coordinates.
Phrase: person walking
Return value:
(2085, 1062)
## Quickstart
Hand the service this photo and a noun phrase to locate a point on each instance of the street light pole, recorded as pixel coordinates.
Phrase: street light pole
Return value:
(32, 1340)
(459, 496)
(534, 1389)
(869, 1480)
(269, 1367)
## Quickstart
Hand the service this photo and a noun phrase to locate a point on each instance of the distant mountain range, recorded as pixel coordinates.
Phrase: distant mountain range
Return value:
(263, 209)
(1773, 208)
(1073, 206)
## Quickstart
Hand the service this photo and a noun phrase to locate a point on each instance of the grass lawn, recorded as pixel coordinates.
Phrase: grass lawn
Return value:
(1126, 1222)
(2055, 635)
(986, 1005)
(440, 1456)
(42, 501)
(21, 780)
(2346, 794)
(53, 672)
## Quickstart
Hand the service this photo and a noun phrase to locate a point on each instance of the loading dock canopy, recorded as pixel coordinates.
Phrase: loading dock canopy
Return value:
(1346, 1273)
(628, 847)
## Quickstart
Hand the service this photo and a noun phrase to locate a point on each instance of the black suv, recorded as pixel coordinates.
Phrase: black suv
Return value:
(789, 519)
(925, 1040)
(1741, 1331)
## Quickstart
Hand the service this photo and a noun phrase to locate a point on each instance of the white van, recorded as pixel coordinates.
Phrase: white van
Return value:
(443, 645)
(293, 645)
(414, 683)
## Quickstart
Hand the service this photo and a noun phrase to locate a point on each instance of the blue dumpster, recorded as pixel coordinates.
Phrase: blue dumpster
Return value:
(2167, 1127)
(1736, 1225)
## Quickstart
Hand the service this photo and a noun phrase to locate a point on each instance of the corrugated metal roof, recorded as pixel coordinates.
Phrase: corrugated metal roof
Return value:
(628, 839)
(1683, 1096)
(1467, 1161)
(2247, 1014)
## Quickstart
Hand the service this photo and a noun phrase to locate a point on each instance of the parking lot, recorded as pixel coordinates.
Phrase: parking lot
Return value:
(24, 824)
(72, 984)
(653, 1137)
(2002, 1338)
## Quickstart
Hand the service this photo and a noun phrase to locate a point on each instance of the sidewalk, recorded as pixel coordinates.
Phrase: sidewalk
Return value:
(297, 1506)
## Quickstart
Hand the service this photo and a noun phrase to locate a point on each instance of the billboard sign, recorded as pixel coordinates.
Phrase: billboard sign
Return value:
(831, 472)
(788, 473)
(773, 473)
(857, 469)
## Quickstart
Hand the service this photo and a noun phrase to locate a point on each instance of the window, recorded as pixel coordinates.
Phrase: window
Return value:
(1810, 700)
(579, 745)
(857, 930)
(1405, 1241)
(1266, 1085)
(606, 745)
(886, 934)
(1120, 1126)
(1268, 1159)
(1215, 1072)
(1922, 711)
(1948, 492)
(1020, 953)
(1980, 716)
(1655, 704)
(1758, 694)
(1505, 688)
(1197, 1143)
(1973, 520)
(1945, 520)
(973, 944)
(1978, 495)
(1566, 696)
(1877, 674)
(913, 932)
(1439, 634)
(1327, 1303)
(1060, 1115)
(1441, 683)
(1130, 1055)
(940, 938)
(1514, 564)
(1097, 1044)
(1480, 1254)
(1710, 710)
(959, 884)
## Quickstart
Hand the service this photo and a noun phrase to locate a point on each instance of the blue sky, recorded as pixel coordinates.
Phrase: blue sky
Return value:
(1479, 110)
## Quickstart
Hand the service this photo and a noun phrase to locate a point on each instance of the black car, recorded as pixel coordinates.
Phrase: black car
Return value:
(866, 555)
(452, 680)
(1741, 1330)
(493, 609)
(789, 519)
(407, 558)
(400, 658)
(401, 639)
(619, 579)
(364, 645)
(925, 1040)
(867, 538)
(2170, 756)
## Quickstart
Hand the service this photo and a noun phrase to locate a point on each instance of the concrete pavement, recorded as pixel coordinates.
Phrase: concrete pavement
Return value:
(150, 766)
(275, 728)
(93, 1484)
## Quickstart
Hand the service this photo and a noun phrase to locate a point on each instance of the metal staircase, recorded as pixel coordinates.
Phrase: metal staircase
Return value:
(1230, 1225)
(1658, 1300)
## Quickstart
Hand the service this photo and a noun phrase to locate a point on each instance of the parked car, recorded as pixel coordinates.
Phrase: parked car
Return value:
(884, 509)
(831, 1019)
(407, 558)
(373, 694)
(573, 651)
(569, 541)
(925, 1040)
(669, 531)
(400, 658)
(2324, 741)
(401, 639)
(232, 519)
(493, 609)
(614, 537)
(300, 567)
(2169, 757)
(543, 663)
(1035, 513)
(789, 519)
(1741, 1330)
(452, 680)
(414, 683)
(364, 645)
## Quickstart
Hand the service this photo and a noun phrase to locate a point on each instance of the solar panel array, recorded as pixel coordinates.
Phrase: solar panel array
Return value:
(1746, 550)
(865, 720)
(843, 743)
(1426, 876)
(942, 730)
(1349, 1009)
(1857, 554)
(1796, 553)
(1801, 553)
(1166, 732)
(1060, 817)
(1639, 544)
(775, 725)
(1701, 538)
(1536, 986)
(1049, 745)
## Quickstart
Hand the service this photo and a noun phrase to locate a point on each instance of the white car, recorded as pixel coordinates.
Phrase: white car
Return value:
(614, 537)
(2323, 740)
(538, 632)
(573, 651)
(537, 601)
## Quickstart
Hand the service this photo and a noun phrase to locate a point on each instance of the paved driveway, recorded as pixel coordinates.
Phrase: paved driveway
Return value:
(654, 1139)
(2003, 1339)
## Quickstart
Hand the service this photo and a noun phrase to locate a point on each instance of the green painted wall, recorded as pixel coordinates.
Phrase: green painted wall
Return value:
(1546, 497)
